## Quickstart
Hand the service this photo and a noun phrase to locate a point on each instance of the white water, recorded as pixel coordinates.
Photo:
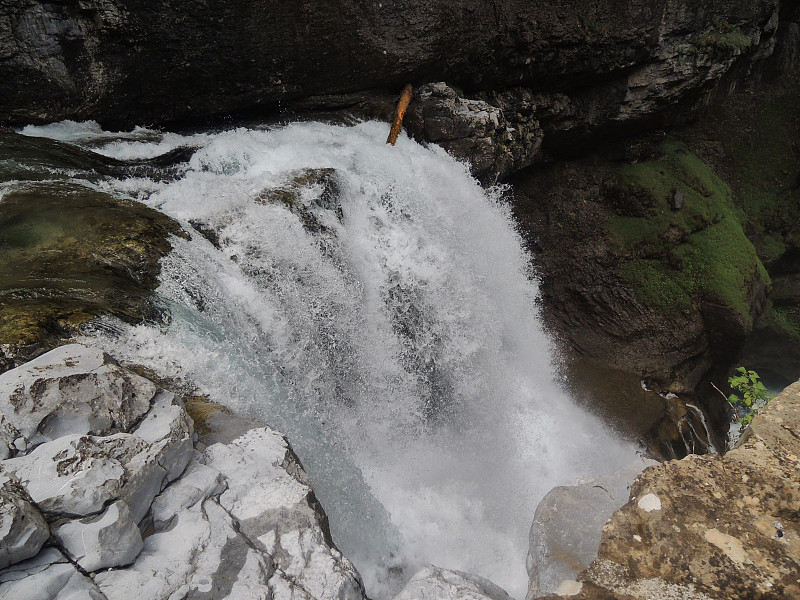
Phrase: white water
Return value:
(399, 349)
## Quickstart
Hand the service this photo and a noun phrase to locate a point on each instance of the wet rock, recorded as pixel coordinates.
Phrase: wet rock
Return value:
(48, 576)
(473, 130)
(111, 539)
(567, 526)
(433, 583)
(23, 530)
(71, 390)
(311, 194)
(52, 280)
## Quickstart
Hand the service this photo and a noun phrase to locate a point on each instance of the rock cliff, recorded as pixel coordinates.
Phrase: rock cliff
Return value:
(585, 68)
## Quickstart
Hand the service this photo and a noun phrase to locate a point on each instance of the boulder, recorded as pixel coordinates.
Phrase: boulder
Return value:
(110, 539)
(473, 130)
(70, 390)
(568, 524)
(23, 530)
(271, 498)
(433, 583)
(71, 476)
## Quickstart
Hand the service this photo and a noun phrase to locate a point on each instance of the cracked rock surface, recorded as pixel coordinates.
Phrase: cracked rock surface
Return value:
(103, 495)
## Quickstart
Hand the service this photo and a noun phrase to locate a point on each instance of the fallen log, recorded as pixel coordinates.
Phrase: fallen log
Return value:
(397, 124)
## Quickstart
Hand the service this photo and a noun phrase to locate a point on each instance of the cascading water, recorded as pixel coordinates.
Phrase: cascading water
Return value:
(374, 304)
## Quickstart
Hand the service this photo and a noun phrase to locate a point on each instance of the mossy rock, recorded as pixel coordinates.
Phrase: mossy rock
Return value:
(677, 258)
(69, 253)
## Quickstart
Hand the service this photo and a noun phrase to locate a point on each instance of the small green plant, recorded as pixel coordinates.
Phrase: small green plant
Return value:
(749, 395)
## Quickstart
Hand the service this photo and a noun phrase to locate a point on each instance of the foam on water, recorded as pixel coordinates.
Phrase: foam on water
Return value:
(397, 345)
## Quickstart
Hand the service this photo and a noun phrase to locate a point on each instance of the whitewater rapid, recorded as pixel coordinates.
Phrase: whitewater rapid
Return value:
(376, 305)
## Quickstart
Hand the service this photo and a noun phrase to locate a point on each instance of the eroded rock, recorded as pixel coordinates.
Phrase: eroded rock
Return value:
(71, 390)
(240, 522)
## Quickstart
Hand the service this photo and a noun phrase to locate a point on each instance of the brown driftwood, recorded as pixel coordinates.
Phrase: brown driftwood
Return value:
(397, 124)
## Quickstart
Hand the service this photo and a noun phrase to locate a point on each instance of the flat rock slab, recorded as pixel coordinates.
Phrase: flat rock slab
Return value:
(48, 576)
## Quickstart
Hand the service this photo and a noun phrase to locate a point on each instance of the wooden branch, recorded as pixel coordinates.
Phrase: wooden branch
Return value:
(733, 406)
(397, 124)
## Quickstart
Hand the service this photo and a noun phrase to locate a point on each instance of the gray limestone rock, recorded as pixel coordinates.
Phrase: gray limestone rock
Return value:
(201, 555)
(197, 483)
(76, 475)
(269, 496)
(70, 476)
(111, 539)
(568, 524)
(70, 390)
(433, 583)
(240, 522)
(48, 576)
(23, 530)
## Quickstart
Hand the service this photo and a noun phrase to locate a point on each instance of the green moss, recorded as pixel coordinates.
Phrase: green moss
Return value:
(723, 38)
(770, 247)
(764, 173)
(786, 320)
(675, 256)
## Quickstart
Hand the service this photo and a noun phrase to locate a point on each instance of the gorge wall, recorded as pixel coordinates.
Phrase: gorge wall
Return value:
(598, 64)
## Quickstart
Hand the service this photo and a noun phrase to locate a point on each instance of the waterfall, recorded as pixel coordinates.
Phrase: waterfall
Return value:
(375, 304)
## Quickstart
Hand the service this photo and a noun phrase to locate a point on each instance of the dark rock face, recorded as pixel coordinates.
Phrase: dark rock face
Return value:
(119, 61)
